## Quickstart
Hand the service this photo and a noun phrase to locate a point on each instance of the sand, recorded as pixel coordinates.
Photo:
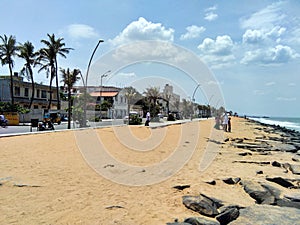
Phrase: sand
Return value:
(46, 179)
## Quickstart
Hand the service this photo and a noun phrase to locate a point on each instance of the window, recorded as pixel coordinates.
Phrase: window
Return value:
(38, 93)
(35, 106)
(17, 91)
(44, 94)
(26, 92)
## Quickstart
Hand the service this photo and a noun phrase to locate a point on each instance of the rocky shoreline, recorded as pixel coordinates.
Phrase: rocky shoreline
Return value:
(276, 194)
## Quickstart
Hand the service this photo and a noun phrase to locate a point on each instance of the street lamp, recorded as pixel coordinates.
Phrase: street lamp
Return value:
(85, 83)
(101, 77)
(193, 98)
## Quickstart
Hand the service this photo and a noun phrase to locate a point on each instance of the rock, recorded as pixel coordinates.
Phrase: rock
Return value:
(232, 180)
(284, 147)
(178, 223)
(226, 140)
(276, 164)
(267, 214)
(228, 216)
(295, 169)
(258, 192)
(288, 203)
(201, 221)
(295, 197)
(281, 181)
(298, 152)
(244, 153)
(202, 204)
(181, 187)
(296, 158)
(211, 182)
(259, 172)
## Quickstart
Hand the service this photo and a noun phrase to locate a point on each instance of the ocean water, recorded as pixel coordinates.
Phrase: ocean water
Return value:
(288, 122)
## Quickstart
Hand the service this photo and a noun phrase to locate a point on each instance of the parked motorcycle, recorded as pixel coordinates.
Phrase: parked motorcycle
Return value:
(4, 123)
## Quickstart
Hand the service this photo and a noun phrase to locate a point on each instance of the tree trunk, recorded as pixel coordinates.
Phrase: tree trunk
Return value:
(32, 86)
(57, 87)
(11, 84)
(69, 107)
(50, 93)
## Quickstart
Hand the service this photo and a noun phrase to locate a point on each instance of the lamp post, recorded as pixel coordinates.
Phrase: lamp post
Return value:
(101, 77)
(193, 98)
(85, 83)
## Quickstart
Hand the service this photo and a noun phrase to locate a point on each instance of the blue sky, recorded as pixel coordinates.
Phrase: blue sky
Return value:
(251, 47)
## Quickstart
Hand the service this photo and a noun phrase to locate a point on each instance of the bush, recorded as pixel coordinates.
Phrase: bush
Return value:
(135, 119)
(171, 117)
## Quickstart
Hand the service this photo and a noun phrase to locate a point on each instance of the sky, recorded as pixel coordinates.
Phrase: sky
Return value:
(249, 49)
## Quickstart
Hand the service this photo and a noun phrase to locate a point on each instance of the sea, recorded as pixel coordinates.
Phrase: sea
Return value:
(292, 123)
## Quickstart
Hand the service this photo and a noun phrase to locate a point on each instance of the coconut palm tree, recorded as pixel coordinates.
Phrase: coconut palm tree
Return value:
(152, 93)
(69, 79)
(27, 53)
(48, 55)
(8, 50)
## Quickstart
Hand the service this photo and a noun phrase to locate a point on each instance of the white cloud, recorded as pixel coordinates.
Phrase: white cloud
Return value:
(192, 32)
(222, 46)
(143, 30)
(122, 74)
(219, 52)
(270, 83)
(257, 36)
(258, 92)
(292, 84)
(77, 31)
(278, 54)
(210, 16)
(267, 17)
(286, 99)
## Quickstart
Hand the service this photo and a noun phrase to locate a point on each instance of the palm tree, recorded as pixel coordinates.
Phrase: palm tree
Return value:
(48, 55)
(8, 50)
(69, 79)
(152, 93)
(27, 53)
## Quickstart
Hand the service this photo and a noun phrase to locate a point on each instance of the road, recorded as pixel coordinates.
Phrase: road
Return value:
(25, 128)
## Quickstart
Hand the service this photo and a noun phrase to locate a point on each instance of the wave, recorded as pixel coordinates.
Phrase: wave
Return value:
(283, 122)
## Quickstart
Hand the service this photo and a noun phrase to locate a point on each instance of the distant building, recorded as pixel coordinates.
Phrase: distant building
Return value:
(23, 90)
(110, 94)
(174, 99)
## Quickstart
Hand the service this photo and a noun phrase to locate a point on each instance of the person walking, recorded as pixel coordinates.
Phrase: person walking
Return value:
(147, 119)
(225, 121)
(229, 125)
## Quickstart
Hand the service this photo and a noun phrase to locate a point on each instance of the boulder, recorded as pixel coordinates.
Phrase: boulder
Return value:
(281, 181)
(283, 147)
(287, 203)
(295, 169)
(201, 221)
(228, 215)
(276, 164)
(258, 192)
(202, 204)
(295, 197)
(267, 214)
(231, 180)
(296, 158)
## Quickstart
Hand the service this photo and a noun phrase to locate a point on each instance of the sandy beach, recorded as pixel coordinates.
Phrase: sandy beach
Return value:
(45, 179)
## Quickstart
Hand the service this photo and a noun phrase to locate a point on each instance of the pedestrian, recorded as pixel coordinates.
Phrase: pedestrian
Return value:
(225, 121)
(229, 124)
(147, 119)
(217, 120)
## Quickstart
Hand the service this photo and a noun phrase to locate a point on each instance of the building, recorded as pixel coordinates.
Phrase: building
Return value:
(115, 96)
(174, 99)
(23, 90)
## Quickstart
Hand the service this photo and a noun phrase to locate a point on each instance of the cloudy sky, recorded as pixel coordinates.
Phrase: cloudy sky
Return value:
(252, 48)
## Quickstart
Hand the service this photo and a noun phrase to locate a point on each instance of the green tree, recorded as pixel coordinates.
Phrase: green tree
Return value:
(69, 79)
(48, 56)
(8, 50)
(29, 55)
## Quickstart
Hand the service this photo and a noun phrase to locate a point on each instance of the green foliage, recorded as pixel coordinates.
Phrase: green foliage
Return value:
(8, 107)
(135, 119)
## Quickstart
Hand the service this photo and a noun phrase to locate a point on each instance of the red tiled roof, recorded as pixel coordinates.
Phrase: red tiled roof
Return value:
(104, 94)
